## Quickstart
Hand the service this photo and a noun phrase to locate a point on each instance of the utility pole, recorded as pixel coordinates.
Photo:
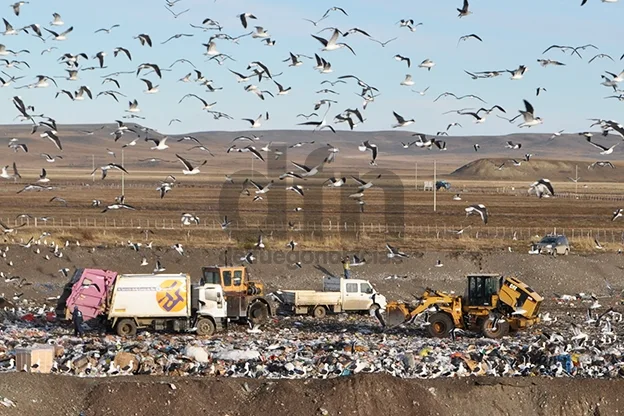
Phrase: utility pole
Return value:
(576, 178)
(435, 188)
(93, 167)
(123, 178)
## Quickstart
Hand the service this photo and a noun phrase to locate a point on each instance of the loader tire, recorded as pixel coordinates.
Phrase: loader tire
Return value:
(258, 313)
(440, 325)
(205, 327)
(126, 328)
(319, 312)
(500, 330)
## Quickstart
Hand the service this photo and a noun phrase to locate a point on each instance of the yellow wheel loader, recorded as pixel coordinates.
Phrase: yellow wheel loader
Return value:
(492, 304)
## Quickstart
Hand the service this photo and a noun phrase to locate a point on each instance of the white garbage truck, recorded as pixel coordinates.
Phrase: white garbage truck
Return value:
(338, 295)
(128, 302)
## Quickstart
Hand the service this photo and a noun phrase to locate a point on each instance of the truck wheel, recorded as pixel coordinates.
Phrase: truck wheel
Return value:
(205, 327)
(258, 313)
(319, 312)
(495, 327)
(126, 328)
(440, 325)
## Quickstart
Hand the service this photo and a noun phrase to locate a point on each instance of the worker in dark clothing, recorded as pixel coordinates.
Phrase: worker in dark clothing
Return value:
(78, 320)
(346, 263)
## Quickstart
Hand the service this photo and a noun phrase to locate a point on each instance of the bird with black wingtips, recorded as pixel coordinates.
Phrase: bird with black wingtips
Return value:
(464, 11)
(401, 121)
(395, 252)
(528, 114)
(298, 189)
(478, 209)
(59, 36)
(108, 167)
(542, 188)
(331, 44)
(243, 18)
(118, 206)
(189, 169)
(145, 39)
(603, 149)
(470, 36)
(372, 147)
(402, 58)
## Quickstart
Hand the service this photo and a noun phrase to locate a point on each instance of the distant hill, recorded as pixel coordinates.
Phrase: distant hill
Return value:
(84, 145)
(555, 170)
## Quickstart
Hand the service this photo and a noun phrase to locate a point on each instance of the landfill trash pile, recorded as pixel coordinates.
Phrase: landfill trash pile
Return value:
(577, 339)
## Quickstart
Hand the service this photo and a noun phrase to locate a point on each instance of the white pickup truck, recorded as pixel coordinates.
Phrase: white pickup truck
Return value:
(338, 295)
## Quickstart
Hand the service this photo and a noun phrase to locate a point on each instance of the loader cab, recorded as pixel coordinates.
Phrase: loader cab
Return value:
(481, 289)
(232, 279)
(245, 298)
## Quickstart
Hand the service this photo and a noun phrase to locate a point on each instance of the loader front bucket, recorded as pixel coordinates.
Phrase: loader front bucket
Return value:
(396, 314)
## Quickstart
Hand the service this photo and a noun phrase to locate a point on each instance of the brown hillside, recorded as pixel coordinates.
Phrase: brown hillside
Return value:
(555, 170)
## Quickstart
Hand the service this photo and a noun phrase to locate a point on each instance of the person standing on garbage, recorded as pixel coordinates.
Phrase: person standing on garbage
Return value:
(78, 320)
(345, 266)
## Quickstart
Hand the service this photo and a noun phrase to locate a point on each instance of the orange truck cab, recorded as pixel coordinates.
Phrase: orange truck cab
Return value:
(246, 299)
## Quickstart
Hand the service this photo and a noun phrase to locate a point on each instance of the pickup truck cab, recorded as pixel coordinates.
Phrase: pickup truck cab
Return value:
(338, 295)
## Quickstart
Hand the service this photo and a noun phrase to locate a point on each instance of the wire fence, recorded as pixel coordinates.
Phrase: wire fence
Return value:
(608, 235)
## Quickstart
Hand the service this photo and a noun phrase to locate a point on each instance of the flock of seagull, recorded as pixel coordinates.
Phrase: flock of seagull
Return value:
(261, 79)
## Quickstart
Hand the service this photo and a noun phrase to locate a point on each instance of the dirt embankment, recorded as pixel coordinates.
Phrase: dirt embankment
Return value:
(398, 280)
(359, 395)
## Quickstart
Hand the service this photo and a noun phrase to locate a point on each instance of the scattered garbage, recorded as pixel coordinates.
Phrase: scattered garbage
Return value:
(565, 344)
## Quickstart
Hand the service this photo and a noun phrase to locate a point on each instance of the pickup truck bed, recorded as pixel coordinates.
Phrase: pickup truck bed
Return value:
(310, 298)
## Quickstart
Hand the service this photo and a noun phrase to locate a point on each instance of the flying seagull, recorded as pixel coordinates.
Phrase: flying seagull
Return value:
(401, 122)
(366, 145)
(383, 44)
(529, 116)
(601, 164)
(463, 12)
(403, 58)
(243, 18)
(107, 31)
(106, 168)
(59, 36)
(334, 9)
(478, 209)
(188, 168)
(604, 150)
(51, 134)
(466, 37)
(331, 44)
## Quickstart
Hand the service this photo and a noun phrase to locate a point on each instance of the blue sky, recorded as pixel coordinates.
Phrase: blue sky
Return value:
(513, 35)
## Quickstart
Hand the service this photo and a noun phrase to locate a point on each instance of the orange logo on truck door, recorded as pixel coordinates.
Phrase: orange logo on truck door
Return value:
(171, 296)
